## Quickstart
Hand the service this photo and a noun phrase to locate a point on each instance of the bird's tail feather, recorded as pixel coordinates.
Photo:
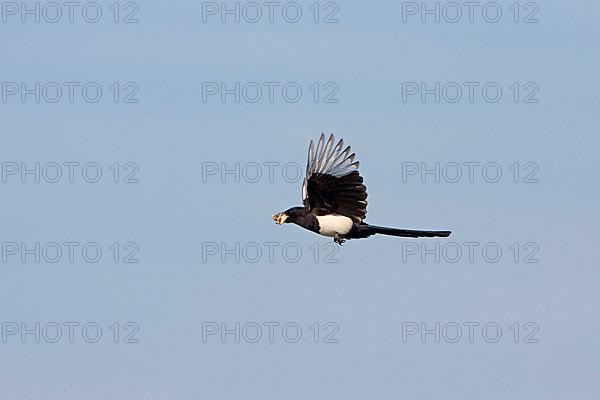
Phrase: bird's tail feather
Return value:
(374, 229)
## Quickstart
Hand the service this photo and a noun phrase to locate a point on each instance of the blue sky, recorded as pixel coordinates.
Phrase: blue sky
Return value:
(152, 126)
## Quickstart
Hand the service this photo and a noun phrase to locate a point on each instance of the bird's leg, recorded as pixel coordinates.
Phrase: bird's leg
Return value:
(338, 239)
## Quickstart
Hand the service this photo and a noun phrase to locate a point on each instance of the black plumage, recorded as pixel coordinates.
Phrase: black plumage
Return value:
(335, 197)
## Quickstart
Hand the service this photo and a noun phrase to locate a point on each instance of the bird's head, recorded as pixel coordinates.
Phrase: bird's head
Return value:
(287, 216)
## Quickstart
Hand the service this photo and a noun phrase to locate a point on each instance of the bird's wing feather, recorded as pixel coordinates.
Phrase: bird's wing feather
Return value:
(333, 183)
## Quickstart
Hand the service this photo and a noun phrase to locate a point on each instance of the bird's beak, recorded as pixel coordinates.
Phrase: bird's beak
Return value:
(280, 218)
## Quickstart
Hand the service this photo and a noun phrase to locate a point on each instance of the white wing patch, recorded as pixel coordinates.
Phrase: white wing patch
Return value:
(328, 159)
(304, 190)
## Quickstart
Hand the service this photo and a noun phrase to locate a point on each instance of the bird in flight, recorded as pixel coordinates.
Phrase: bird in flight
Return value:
(335, 198)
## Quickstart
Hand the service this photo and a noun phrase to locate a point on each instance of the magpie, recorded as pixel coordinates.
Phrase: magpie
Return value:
(335, 198)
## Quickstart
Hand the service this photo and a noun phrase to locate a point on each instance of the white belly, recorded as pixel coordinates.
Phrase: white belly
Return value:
(331, 225)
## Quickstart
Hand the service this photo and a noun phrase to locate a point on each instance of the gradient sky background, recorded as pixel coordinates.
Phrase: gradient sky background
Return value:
(371, 291)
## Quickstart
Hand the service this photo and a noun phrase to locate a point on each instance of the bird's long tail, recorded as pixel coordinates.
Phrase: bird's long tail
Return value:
(368, 230)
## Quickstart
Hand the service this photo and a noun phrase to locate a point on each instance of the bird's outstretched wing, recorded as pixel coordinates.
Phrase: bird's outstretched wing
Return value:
(333, 183)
